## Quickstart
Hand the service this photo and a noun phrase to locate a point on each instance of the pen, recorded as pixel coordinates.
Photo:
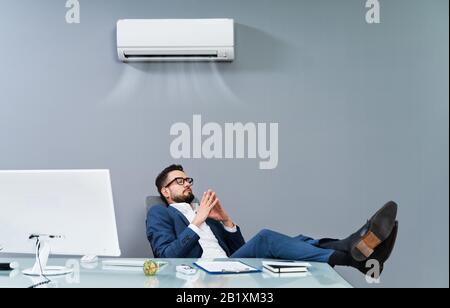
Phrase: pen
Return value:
(8, 266)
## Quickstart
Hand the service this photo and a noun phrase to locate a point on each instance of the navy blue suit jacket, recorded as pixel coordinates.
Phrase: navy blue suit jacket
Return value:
(170, 237)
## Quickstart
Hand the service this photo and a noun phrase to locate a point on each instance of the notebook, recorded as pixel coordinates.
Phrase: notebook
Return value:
(286, 266)
(269, 274)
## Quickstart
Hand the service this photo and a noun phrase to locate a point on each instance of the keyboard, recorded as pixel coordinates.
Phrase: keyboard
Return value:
(128, 263)
(124, 262)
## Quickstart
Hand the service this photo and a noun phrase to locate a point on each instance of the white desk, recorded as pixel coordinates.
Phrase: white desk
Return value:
(322, 276)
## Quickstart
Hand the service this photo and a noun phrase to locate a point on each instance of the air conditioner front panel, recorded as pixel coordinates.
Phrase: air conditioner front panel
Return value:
(175, 33)
(175, 40)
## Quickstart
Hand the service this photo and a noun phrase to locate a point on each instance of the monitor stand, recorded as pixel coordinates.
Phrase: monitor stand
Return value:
(40, 267)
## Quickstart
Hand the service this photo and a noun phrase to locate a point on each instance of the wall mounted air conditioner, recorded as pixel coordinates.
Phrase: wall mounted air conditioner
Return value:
(162, 40)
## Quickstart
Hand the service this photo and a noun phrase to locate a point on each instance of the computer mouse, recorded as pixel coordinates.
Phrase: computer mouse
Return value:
(89, 259)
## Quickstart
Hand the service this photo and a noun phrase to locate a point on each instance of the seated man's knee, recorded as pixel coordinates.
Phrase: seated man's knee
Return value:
(265, 241)
(264, 233)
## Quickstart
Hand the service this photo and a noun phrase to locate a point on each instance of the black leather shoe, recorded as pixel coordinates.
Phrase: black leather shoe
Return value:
(382, 252)
(374, 233)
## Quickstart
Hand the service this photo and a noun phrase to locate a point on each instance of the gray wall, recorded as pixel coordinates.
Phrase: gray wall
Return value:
(363, 113)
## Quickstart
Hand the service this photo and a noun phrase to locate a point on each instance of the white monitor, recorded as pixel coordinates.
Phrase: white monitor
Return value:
(71, 210)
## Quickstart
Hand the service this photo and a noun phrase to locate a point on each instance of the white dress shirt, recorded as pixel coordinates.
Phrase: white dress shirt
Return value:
(208, 241)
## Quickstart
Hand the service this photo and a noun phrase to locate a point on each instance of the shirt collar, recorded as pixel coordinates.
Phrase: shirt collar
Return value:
(182, 206)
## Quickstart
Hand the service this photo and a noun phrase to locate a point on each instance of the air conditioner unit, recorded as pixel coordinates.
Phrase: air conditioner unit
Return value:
(162, 40)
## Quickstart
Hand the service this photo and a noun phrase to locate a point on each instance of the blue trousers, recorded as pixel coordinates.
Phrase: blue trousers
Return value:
(268, 244)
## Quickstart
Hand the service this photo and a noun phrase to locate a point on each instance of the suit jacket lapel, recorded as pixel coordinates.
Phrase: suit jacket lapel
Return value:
(177, 212)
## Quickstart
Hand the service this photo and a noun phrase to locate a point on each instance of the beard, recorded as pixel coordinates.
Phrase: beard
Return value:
(184, 198)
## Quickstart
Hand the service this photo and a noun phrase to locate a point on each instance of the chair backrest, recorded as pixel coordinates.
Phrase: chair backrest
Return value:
(151, 201)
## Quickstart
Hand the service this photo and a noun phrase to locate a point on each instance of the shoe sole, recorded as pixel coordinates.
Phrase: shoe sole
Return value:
(390, 243)
(392, 239)
(380, 227)
(384, 251)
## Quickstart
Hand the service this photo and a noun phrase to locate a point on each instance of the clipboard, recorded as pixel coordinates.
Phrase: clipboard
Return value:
(226, 267)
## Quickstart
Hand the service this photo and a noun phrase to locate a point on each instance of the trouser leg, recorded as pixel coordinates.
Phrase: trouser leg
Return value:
(268, 244)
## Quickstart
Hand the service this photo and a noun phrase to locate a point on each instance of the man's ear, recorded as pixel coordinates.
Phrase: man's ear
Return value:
(165, 192)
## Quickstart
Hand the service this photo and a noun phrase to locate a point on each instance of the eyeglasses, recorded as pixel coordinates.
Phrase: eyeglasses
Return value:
(181, 181)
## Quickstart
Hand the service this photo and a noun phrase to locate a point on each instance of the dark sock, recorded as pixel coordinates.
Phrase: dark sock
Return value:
(340, 258)
(344, 245)
(329, 243)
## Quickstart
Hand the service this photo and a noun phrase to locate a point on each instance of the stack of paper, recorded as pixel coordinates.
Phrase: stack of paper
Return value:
(225, 267)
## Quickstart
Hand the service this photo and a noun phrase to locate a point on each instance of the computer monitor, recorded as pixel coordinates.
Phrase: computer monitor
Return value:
(66, 212)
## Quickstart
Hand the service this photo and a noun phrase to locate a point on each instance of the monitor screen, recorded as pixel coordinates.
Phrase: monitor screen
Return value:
(74, 205)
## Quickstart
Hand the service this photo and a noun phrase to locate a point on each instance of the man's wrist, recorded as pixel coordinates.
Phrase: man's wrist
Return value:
(228, 223)
(197, 223)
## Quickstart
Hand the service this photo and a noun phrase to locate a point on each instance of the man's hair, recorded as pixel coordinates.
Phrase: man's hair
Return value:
(161, 179)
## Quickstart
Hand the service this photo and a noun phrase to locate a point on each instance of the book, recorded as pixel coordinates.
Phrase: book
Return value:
(286, 266)
(269, 274)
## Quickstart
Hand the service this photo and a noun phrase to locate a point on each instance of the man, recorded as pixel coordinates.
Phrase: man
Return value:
(178, 230)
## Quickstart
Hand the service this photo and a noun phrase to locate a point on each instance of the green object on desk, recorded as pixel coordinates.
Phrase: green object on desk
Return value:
(151, 267)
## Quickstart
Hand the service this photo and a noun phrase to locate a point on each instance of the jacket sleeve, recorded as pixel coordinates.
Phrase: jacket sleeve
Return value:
(234, 240)
(161, 235)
